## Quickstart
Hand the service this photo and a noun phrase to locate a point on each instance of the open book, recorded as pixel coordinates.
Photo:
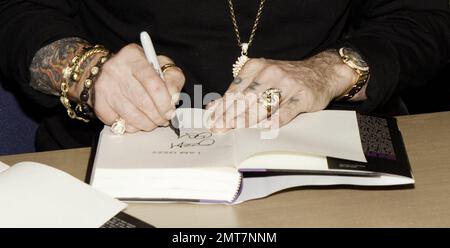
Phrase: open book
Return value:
(321, 148)
(36, 195)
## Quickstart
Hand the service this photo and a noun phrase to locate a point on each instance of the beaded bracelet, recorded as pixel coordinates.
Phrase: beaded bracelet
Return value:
(88, 53)
(83, 109)
(73, 73)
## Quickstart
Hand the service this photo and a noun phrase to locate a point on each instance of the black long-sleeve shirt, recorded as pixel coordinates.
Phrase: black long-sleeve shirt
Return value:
(404, 42)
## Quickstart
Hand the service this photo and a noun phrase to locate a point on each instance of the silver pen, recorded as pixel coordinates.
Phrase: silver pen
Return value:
(152, 58)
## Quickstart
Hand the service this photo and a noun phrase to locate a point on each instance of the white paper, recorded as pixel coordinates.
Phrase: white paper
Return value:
(3, 166)
(325, 133)
(159, 164)
(35, 195)
(199, 165)
(163, 149)
(197, 147)
(260, 187)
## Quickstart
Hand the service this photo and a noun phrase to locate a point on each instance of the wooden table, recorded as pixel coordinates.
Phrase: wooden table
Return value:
(427, 139)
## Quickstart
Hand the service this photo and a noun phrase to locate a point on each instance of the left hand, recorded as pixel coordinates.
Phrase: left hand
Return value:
(306, 86)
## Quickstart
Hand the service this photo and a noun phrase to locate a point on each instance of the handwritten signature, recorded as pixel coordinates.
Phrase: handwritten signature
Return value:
(194, 140)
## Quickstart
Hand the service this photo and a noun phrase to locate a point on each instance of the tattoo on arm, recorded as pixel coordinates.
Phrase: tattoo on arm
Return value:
(49, 62)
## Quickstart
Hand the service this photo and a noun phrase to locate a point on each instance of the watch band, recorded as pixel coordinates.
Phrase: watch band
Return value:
(363, 76)
(357, 86)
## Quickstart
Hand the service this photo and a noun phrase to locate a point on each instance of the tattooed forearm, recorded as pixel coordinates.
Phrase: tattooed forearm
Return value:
(49, 62)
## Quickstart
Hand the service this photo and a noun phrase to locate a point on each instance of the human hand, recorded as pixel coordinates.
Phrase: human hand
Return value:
(306, 86)
(129, 88)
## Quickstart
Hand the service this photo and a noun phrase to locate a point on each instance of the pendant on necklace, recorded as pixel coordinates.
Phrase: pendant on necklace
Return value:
(241, 61)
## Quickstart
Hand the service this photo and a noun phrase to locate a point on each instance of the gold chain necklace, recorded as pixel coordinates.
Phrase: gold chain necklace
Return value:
(240, 62)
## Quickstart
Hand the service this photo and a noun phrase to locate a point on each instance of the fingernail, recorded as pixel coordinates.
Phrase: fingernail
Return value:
(171, 114)
(176, 98)
(210, 104)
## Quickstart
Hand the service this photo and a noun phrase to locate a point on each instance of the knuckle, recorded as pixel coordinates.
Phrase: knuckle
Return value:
(133, 117)
(253, 64)
(141, 68)
(139, 73)
(180, 79)
(109, 66)
(165, 59)
(290, 82)
(133, 47)
(145, 75)
(273, 70)
(144, 103)
(155, 117)
(154, 85)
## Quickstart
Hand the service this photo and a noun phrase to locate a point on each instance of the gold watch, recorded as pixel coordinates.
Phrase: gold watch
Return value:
(352, 59)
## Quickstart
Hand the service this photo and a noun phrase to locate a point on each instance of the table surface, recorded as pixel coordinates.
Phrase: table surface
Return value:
(427, 139)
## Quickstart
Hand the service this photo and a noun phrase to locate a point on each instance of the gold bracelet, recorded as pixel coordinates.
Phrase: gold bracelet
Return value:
(72, 73)
(76, 73)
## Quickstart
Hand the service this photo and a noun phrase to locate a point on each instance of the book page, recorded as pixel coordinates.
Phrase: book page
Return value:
(260, 187)
(35, 195)
(197, 147)
(325, 133)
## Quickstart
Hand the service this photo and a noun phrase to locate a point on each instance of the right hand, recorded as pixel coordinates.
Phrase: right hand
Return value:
(129, 88)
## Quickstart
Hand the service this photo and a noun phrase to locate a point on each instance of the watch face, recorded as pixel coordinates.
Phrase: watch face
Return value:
(355, 57)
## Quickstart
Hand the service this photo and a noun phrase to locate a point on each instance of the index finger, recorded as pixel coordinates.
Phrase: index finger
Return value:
(155, 87)
(230, 106)
(173, 77)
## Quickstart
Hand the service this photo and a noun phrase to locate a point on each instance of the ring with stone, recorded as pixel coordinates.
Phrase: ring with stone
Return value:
(119, 127)
(271, 98)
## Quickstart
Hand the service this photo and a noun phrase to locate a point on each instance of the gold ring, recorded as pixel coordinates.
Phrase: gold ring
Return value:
(271, 98)
(166, 67)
